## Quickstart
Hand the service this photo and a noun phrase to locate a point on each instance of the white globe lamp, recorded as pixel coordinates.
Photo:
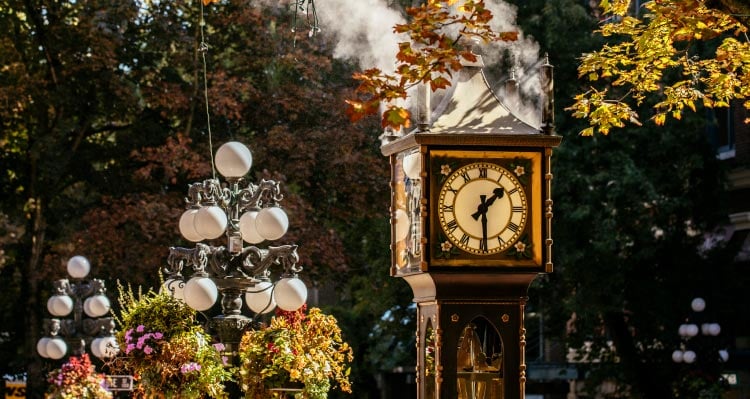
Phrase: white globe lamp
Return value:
(56, 348)
(104, 347)
(723, 355)
(210, 222)
(187, 226)
(272, 223)
(41, 347)
(60, 305)
(96, 349)
(248, 228)
(260, 298)
(290, 293)
(233, 159)
(96, 306)
(200, 293)
(689, 356)
(175, 287)
(692, 330)
(698, 304)
(78, 267)
(677, 356)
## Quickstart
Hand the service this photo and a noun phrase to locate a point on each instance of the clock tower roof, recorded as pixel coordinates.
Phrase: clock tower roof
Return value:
(471, 107)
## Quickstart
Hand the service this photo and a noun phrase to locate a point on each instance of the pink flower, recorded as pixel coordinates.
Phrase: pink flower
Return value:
(148, 350)
(188, 367)
(141, 328)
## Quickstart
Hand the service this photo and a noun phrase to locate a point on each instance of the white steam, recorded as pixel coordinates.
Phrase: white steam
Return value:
(363, 32)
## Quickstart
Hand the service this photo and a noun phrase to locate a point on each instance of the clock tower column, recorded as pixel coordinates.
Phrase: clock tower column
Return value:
(471, 217)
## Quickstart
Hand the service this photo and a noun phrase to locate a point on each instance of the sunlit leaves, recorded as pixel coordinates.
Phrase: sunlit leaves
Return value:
(430, 56)
(643, 51)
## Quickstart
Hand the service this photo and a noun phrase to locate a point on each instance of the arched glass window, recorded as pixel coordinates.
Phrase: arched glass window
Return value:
(480, 361)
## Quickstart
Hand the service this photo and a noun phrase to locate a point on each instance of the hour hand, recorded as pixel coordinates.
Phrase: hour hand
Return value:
(484, 206)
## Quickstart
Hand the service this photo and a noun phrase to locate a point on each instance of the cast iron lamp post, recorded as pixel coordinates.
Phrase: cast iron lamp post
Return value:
(239, 211)
(689, 331)
(80, 298)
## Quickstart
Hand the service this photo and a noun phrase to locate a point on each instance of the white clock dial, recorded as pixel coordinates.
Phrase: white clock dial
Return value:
(482, 208)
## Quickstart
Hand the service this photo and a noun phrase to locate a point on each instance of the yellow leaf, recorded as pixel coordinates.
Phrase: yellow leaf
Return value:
(660, 119)
(587, 132)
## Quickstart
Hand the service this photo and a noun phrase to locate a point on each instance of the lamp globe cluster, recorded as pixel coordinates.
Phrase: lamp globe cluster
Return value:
(242, 212)
(73, 299)
(690, 330)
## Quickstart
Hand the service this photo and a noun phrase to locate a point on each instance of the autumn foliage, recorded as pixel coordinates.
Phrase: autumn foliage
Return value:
(658, 56)
(433, 52)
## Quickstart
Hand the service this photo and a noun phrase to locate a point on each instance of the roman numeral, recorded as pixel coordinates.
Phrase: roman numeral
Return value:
(515, 190)
(465, 175)
(465, 239)
(447, 208)
(513, 227)
(451, 189)
(451, 226)
(482, 173)
(483, 245)
(517, 209)
(500, 241)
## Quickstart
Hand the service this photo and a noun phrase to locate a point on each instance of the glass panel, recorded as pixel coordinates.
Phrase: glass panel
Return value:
(429, 362)
(479, 361)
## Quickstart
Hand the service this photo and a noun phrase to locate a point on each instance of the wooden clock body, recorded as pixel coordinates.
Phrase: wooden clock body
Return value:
(471, 229)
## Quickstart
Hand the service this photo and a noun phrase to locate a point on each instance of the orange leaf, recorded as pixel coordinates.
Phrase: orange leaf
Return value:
(508, 36)
(396, 117)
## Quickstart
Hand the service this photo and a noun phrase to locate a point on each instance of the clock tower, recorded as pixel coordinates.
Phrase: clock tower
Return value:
(471, 218)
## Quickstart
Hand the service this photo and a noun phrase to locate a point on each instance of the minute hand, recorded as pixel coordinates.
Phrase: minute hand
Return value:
(484, 207)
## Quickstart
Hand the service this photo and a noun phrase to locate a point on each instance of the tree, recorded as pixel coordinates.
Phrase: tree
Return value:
(626, 265)
(680, 54)
(106, 125)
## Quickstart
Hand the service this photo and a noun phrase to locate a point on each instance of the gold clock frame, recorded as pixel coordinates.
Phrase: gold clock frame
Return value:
(532, 257)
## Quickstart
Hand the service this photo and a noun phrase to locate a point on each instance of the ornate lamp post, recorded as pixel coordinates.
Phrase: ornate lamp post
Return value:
(240, 211)
(78, 298)
(701, 355)
(688, 332)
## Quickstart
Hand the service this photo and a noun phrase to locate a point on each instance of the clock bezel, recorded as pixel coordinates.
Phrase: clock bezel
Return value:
(532, 255)
(450, 197)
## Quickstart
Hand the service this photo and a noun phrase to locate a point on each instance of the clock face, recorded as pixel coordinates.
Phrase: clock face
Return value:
(482, 208)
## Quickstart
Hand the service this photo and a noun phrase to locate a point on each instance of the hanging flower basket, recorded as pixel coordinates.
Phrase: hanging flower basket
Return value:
(299, 355)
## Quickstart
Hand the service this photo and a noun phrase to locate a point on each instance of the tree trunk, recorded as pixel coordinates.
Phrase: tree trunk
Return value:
(34, 384)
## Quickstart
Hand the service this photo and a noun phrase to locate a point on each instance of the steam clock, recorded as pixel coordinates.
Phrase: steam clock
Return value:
(471, 229)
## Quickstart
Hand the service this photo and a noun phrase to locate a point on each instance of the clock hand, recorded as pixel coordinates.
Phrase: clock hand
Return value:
(484, 220)
(485, 206)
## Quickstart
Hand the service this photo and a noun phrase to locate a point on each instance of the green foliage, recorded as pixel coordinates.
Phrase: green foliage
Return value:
(159, 311)
(296, 348)
(165, 350)
(658, 57)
